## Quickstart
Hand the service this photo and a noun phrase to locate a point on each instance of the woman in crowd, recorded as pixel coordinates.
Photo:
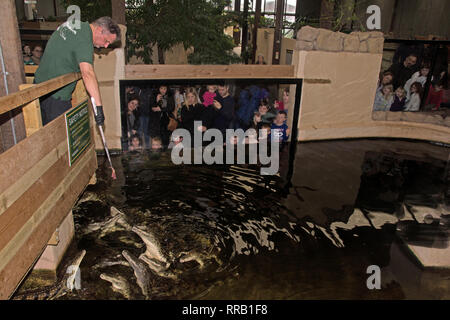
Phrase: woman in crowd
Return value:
(385, 79)
(413, 103)
(191, 111)
(162, 109)
(130, 121)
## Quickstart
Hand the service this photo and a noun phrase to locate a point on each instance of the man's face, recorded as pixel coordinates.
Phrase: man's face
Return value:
(223, 91)
(410, 61)
(103, 38)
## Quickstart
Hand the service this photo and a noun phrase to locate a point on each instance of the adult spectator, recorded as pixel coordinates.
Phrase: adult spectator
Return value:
(130, 121)
(72, 50)
(146, 97)
(220, 114)
(191, 111)
(37, 54)
(386, 78)
(403, 71)
(260, 59)
(162, 108)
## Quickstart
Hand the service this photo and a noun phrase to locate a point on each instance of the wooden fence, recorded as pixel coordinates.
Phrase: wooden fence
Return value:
(38, 188)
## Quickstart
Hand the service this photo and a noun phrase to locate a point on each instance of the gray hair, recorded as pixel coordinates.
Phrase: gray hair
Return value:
(108, 24)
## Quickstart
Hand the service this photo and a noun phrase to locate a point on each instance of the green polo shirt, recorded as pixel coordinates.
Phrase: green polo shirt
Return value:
(65, 50)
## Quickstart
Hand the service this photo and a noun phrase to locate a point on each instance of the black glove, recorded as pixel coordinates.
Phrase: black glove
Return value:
(100, 117)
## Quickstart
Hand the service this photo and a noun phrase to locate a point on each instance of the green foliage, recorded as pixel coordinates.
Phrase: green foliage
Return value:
(197, 24)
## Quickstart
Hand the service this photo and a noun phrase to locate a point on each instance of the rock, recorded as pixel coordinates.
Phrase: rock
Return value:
(376, 34)
(304, 45)
(307, 33)
(329, 41)
(351, 43)
(361, 35)
(375, 45)
(363, 46)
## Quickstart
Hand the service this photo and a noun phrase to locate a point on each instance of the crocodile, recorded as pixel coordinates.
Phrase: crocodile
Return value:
(59, 289)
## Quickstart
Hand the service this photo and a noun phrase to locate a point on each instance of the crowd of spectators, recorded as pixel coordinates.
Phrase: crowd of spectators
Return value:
(32, 57)
(151, 114)
(401, 87)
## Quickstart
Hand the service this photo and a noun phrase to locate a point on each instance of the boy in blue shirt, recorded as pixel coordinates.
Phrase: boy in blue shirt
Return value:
(280, 129)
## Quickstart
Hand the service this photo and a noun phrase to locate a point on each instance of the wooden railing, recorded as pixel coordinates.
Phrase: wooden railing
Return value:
(38, 188)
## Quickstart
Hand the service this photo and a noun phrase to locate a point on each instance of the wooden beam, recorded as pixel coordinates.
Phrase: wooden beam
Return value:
(17, 261)
(20, 98)
(234, 71)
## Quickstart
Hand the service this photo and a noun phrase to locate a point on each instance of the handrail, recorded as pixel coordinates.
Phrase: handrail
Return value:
(17, 99)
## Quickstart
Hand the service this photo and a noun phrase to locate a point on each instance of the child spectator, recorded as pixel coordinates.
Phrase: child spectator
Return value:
(419, 76)
(384, 98)
(435, 95)
(413, 103)
(135, 143)
(284, 103)
(156, 144)
(280, 129)
(263, 115)
(209, 95)
(27, 55)
(399, 100)
(264, 132)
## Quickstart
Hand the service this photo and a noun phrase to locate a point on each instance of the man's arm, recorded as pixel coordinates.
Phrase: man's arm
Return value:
(90, 82)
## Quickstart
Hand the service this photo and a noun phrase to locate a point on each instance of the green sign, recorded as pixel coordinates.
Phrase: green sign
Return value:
(78, 131)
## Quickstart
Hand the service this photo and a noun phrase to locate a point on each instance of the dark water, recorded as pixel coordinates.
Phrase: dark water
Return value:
(311, 232)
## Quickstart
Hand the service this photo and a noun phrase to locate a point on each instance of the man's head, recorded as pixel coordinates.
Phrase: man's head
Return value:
(410, 61)
(223, 90)
(104, 32)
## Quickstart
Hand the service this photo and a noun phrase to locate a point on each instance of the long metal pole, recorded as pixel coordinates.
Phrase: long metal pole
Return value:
(5, 73)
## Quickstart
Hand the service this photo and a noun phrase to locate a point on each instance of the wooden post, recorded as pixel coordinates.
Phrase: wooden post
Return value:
(13, 62)
(236, 30)
(278, 32)
(245, 32)
(326, 14)
(118, 11)
(255, 29)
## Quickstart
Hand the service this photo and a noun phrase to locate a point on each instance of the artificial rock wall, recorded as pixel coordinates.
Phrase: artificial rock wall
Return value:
(343, 108)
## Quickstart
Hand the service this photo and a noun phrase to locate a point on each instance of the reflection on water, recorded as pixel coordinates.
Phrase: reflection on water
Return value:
(162, 231)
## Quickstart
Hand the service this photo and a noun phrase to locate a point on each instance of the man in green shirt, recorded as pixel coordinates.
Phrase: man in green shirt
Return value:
(71, 49)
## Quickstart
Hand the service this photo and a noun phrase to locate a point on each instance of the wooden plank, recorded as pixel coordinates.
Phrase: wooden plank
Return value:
(20, 199)
(79, 94)
(17, 99)
(35, 147)
(31, 113)
(34, 25)
(234, 71)
(30, 69)
(13, 270)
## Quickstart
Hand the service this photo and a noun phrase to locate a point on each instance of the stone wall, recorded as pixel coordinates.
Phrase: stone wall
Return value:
(314, 39)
